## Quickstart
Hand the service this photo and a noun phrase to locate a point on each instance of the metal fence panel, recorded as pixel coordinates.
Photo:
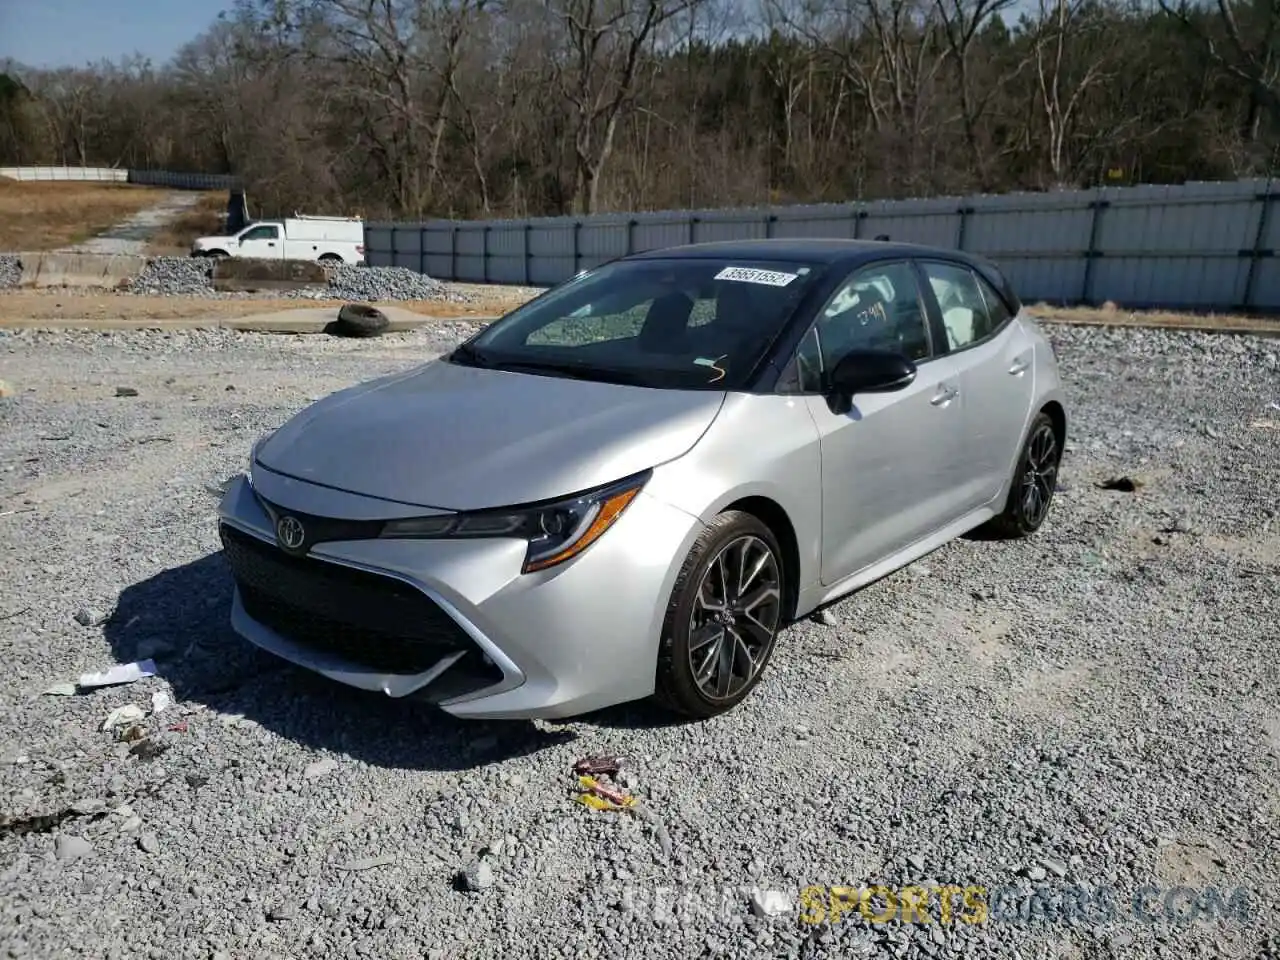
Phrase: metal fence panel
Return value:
(1197, 245)
(79, 174)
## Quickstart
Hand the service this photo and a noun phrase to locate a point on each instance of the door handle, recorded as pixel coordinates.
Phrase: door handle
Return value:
(1019, 365)
(944, 396)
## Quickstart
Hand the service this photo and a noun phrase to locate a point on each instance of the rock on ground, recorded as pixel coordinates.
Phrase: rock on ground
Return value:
(10, 270)
(1088, 698)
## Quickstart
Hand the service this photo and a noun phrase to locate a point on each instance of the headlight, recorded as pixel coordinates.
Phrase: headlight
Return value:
(555, 531)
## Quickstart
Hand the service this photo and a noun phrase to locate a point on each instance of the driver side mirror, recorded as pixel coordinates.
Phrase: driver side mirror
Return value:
(867, 371)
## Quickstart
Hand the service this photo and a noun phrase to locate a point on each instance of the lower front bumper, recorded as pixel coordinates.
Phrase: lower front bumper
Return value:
(549, 644)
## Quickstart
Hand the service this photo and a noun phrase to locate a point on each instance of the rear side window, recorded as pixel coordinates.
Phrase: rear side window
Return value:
(971, 308)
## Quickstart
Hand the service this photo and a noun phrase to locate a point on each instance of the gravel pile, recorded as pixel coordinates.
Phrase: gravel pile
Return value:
(10, 271)
(348, 282)
(193, 277)
(1092, 709)
(174, 277)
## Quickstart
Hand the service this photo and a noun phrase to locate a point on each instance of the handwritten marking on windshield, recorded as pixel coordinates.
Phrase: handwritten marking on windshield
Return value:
(705, 362)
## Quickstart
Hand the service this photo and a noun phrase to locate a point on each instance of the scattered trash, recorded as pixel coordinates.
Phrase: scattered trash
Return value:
(133, 734)
(119, 674)
(91, 616)
(126, 392)
(614, 798)
(122, 716)
(824, 617)
(179, 727)
(61, 690)
(594, 766)
(597, 794)
(476, 877)
(6, 390)
(368, 863)
(1121, 484)
(320, 768)
(770, 903)
(160, 702)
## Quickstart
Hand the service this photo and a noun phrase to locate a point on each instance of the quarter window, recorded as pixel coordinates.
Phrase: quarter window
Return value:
(971, 309)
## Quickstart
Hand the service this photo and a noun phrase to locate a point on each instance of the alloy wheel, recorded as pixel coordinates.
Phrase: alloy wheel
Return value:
(735, 617)
(1040, 473)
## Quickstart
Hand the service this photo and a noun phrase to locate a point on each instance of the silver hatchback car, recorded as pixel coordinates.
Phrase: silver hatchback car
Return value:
(629, 485)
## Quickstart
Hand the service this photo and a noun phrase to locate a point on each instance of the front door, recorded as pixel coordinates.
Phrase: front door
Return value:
(887, 464)
(995, 358)
(262, 243)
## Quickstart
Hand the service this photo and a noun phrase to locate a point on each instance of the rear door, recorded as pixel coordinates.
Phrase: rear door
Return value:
(994, 357)
(262, 242)
(887, 464)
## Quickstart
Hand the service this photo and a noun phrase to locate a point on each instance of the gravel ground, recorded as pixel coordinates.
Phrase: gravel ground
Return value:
(1096, 706)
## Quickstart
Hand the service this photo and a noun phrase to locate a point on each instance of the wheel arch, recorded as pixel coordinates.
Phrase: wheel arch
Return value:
(774, 516)
(1058, 415)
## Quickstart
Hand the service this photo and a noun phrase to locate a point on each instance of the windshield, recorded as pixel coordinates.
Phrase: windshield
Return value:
(678, 323)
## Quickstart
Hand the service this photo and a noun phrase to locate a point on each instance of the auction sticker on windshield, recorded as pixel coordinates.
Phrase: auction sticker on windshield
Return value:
(771, 278)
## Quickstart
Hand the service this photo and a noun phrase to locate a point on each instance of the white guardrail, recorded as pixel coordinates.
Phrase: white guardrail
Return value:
(93, 174)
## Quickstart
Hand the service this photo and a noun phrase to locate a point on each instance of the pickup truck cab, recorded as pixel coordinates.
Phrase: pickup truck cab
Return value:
(327, 239)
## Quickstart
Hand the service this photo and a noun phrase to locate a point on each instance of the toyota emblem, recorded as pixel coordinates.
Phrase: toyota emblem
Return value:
(290, 533)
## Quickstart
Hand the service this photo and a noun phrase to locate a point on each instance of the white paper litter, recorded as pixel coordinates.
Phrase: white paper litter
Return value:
(61, 690)
(121, 673)
(122, 715)
(160, 702)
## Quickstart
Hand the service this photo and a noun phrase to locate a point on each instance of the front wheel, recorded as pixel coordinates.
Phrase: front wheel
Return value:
(1034, 481)
(722, 619)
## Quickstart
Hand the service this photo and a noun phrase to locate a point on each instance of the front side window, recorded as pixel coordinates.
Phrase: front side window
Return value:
(687, 323)
(966, 313)
(259, 233)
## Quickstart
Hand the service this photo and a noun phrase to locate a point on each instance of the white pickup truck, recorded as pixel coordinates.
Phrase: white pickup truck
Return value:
(327, 239)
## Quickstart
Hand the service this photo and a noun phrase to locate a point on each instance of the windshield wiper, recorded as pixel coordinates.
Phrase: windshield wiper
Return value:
(575, 371)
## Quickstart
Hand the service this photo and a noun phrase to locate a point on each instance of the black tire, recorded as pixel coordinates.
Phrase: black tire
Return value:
(359, 320)
(738, 667)
(1034, 480)
(217, 255)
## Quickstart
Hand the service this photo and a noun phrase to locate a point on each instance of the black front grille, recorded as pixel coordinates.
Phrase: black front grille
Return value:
(370, 619)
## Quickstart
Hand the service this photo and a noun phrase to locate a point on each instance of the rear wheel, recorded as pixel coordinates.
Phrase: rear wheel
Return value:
(722, 619)
(1034, 481)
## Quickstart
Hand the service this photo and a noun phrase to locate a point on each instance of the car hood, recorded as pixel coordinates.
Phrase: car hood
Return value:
(454, 437)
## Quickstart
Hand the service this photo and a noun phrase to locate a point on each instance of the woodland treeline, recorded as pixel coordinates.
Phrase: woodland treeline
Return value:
(480, 108)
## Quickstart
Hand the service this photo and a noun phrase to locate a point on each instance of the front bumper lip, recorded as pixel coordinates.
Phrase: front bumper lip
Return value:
(357, 675)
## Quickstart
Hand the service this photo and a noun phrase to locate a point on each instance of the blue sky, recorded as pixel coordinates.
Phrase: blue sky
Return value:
(56, 33)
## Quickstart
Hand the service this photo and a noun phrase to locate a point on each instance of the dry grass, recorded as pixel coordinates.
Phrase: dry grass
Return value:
(1111, 315)
(45, 216)
(202, 220)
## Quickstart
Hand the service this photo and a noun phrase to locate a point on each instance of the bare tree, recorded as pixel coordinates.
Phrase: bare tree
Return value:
(1243, 39)
(597, 74)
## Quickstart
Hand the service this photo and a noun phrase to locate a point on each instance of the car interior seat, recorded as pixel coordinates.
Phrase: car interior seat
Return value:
(666, 325)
